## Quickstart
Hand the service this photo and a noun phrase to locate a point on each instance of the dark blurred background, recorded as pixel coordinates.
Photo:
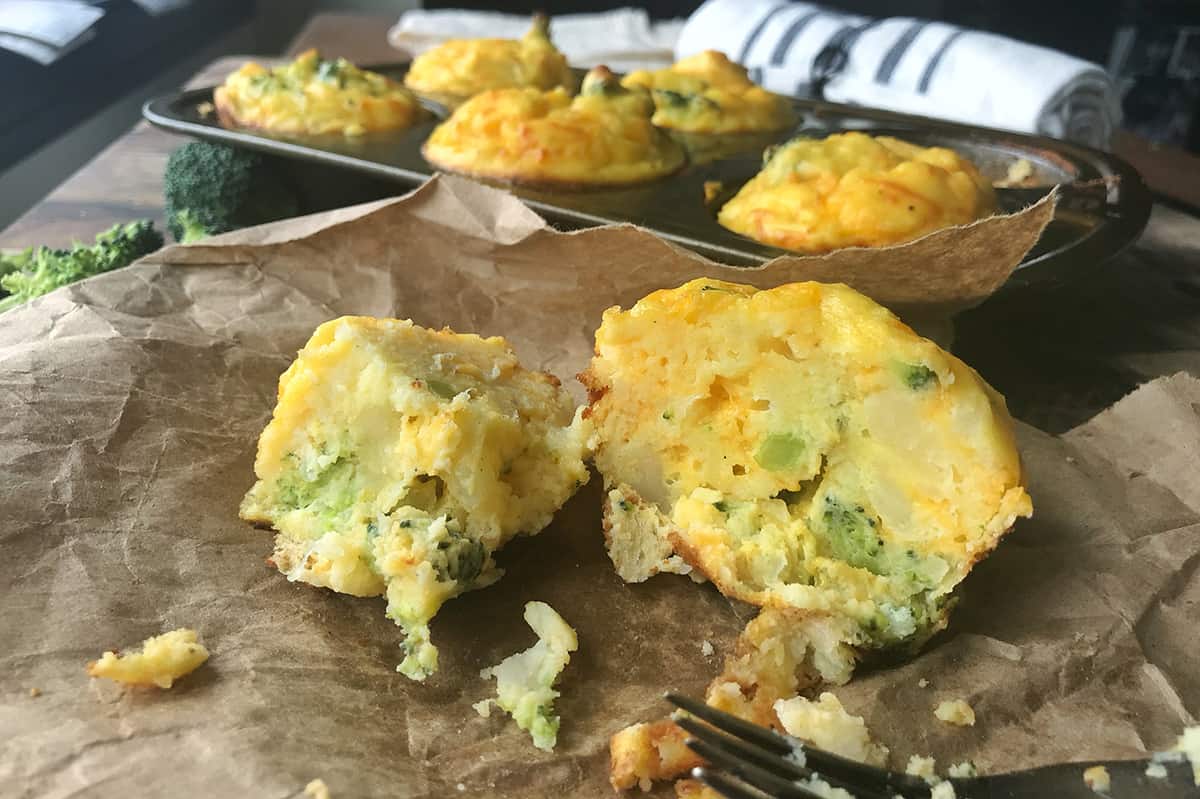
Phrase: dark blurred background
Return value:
(54, 118)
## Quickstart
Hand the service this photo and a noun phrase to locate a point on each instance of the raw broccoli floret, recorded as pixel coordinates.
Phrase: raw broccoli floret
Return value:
(213, 188)
(34, 272)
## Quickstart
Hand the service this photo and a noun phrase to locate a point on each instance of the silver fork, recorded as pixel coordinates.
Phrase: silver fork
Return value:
(752, 762)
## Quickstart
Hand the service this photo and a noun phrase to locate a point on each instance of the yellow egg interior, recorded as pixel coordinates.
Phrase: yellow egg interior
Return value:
(708, 93)
(399, 459)
(855, 190)
(312, 95)
(801, 447)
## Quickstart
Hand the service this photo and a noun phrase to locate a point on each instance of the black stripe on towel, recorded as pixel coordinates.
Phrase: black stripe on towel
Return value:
(888, 65)
(795, 29)
(932, 66)
(758, 30)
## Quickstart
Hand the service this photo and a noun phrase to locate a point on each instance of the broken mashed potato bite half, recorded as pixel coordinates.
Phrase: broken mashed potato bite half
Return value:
(161, 661)
(807, 452)
(708, 93)
(855, 190)
(461, 68)
(313, 95)
(399, 459)
(602, 137)
(801, 448)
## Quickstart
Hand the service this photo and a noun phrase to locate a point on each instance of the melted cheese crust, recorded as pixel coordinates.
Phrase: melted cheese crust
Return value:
(708, 93)
(801, 447)
(398, 459)
(855, 190)
(603, 137)
(314, 96)
(461, 68)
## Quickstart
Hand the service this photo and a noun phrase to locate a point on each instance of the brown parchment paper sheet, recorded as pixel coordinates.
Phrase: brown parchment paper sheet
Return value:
(131, 404)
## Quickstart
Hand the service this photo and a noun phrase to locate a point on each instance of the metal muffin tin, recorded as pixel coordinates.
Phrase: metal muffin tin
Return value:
(1103, 205)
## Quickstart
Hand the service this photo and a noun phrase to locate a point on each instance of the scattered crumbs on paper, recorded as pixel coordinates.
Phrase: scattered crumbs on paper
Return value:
(706, 648)
(1097, 779)
(922, 683)
(965, 769)
(35, 692)
(317, 789)
(955, 711)
(943, 790)
(818, 787)
(922, 767)
(1156, 771)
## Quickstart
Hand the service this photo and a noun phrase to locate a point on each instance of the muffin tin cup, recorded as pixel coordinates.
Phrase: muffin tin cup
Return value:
(1103, 203)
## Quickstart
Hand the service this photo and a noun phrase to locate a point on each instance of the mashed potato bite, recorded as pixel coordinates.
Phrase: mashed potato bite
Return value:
(708, 93)
(802, 448)
(603, 137)
(313, 95)
(855, 190)
(462, 68)
(399, 459)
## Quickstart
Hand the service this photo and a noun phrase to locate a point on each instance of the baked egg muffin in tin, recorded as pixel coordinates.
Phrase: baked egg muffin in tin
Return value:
(801, 448)
(601, 138)
(461, 68)
(399, 459)
(708, 93)
(855, 190)
(313, 96)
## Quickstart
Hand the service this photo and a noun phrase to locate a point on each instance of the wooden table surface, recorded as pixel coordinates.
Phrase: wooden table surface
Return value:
(1059, 353)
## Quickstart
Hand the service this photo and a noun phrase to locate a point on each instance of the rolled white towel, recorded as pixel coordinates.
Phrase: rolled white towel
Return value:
(913, 66)
(624, 39)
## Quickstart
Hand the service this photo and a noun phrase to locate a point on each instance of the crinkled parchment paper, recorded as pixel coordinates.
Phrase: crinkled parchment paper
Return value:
(131, 405)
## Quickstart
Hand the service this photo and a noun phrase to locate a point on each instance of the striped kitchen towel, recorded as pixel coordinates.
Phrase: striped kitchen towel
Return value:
(910, 65)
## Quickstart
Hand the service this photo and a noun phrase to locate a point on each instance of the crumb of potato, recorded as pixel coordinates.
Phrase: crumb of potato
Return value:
(943, 790)
(1097, 778)
(317, 789)
(826, 725)
(1189, 744)
(706, 648)
(524, 681)
(922, 767)
(460, 787)
(483, 707)
(35, 692)
(955, 711)
(1156, 771)
(162, 660)
(1019, 173)
(963, 769)
(922, 683)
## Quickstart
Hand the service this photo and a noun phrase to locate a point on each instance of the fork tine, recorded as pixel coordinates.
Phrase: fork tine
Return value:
(842, 772)
(762, 778)
(747, 731)
(743, 750)
(727, 786)
(762, 769)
